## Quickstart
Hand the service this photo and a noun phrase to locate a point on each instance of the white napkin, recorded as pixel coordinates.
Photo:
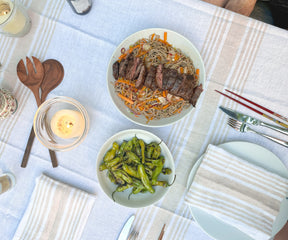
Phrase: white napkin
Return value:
(55, 211)
(237, 192)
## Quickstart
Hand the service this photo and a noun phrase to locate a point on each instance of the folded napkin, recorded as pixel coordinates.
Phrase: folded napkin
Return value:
(237, 192)
(55, 211)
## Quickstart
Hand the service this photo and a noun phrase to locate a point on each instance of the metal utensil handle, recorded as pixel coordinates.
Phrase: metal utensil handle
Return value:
(276, 128)
(281, 142)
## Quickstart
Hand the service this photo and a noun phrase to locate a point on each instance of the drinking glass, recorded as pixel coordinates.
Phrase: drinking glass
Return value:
(7, 181)
(14, 19)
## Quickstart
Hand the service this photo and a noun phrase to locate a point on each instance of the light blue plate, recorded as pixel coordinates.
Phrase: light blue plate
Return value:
(259, 156)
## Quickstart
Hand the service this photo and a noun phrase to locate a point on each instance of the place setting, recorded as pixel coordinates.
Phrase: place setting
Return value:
(240, 188)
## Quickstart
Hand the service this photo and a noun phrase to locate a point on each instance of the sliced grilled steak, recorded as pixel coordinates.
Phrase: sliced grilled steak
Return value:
(154, 85)
(169, 78)
(141, 78)
(123, 66)
(159, 76)
(151, 76)
(187, 86)
(176, 85)
(115, 68)
(138, 69)
(129, 68)
(196, 93)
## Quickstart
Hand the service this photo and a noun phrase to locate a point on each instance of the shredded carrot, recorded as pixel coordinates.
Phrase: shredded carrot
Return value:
(165, 37)
(125, 98)
(197, 71)
(168, 44)
(126, 82)
(132, 48)
(152, 36)
(176, 57)
(166, 106)
(122, 57)
(141, 53)
(165, 93)
(181, 69)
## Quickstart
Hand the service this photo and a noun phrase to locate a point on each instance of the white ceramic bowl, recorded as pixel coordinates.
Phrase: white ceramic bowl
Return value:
(140, 199)
(177, 41)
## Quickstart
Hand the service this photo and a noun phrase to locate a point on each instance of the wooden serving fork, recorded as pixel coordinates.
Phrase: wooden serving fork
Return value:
(33, 79)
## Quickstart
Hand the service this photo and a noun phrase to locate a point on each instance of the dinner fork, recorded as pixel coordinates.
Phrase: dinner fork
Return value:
(242, 127)
(133, 235)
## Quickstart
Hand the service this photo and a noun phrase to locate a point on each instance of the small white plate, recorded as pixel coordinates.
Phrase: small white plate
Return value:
(259, 156)
(177, 41)
(140, 199)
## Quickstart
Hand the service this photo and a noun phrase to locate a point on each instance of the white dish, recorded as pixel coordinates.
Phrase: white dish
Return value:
(259, 156)
(177, 41)
(141, 199)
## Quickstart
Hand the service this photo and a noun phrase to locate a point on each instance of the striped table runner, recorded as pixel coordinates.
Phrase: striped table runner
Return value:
(55, 211)
(237, 192)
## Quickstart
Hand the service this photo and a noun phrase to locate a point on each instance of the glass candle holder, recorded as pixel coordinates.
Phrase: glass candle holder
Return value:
(14, 19)
(61, 123)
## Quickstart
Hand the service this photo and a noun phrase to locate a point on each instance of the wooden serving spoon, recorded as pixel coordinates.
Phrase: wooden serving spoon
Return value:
(54, 74)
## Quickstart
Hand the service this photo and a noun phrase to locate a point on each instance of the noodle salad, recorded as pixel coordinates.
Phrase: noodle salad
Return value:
(154, 104)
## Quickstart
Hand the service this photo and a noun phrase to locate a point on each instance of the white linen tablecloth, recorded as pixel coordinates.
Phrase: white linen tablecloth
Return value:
(239, 53)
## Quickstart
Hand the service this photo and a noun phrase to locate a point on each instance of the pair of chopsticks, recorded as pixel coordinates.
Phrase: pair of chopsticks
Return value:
(162, 232)
(257, 111)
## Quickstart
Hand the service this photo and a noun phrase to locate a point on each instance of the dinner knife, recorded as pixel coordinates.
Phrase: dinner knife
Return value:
(126, 229)
(251, 120)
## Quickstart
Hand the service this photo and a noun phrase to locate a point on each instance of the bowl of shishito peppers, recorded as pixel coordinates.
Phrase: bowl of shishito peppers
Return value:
(135, 168)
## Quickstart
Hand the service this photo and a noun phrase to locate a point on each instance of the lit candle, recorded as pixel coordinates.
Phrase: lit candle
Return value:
(67, 123)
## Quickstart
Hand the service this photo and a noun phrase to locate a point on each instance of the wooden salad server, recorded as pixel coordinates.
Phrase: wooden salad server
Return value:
(33, 79)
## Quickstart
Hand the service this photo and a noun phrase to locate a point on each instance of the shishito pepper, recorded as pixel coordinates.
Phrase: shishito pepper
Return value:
(144, 178)
(135, 141)
(132, 157)
(142, 146)
(131, 171)
(112, 152)
(123, 175)
(129, 146)
(113, 162)
(121, 148)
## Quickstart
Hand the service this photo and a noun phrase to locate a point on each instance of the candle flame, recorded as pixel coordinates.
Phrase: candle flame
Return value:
(4, 9)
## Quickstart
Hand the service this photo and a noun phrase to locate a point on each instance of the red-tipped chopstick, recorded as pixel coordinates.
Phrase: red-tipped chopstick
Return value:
(255, 110)
(265, 109)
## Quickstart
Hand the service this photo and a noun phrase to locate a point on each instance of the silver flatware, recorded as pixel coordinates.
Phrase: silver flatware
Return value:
(80, 7)
(242, 127)
(251, 120)
(126, 228)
